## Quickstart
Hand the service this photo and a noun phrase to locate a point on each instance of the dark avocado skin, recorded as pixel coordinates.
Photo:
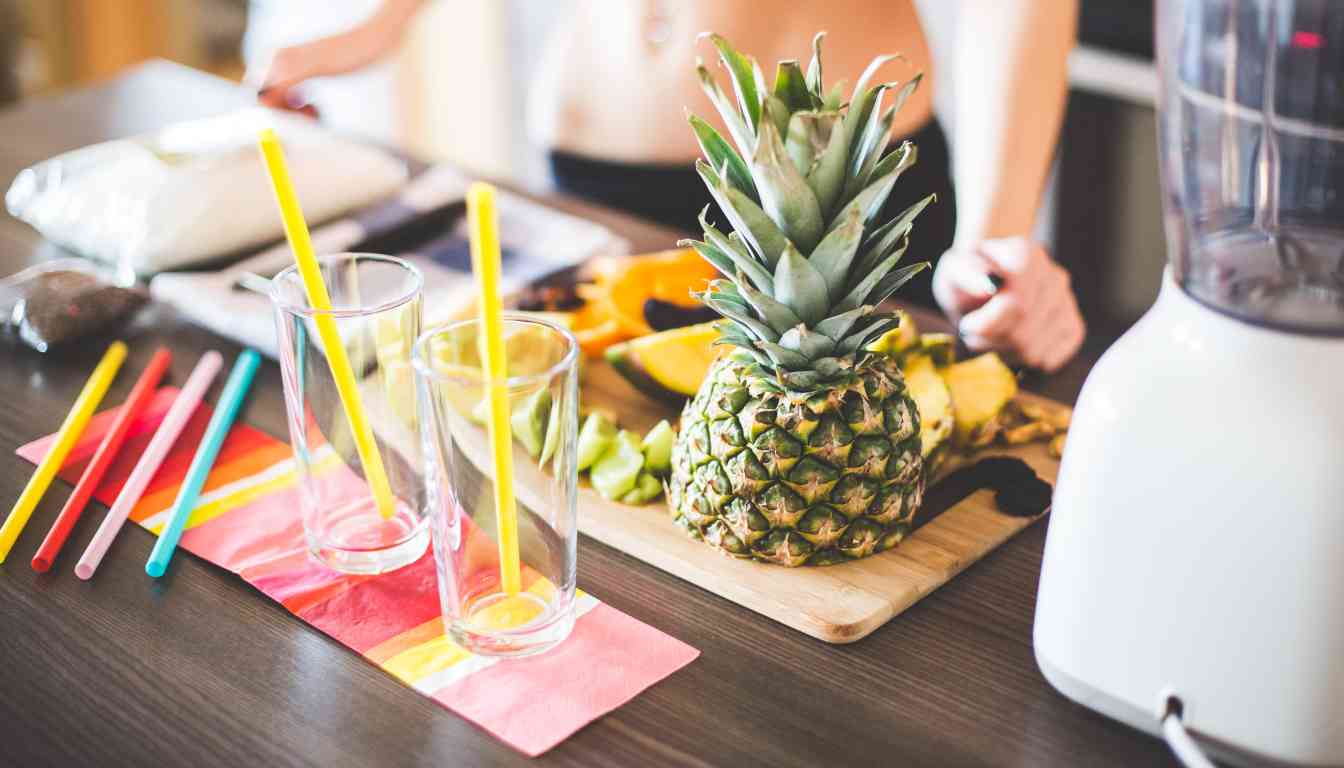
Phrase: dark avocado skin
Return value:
(626, 363)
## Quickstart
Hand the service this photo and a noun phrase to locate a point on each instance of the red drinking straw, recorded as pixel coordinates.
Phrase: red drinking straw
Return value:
(135, 403)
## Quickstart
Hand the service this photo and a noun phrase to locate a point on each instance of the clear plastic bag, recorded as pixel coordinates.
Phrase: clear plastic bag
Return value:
(62, 301)
(194, 191)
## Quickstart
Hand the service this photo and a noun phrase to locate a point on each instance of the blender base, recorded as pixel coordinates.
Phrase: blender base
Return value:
(1196, 541)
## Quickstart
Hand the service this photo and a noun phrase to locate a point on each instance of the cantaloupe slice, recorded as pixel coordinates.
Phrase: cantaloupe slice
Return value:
(669, 365)
(670, 276)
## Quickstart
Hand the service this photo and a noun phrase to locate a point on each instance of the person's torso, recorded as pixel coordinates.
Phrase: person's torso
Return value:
(617, 76)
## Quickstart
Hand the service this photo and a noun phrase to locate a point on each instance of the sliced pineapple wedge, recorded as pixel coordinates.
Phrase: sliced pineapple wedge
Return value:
(932, 398)
(980, 388)
(963, 401)
(942, 347)
(899, 339)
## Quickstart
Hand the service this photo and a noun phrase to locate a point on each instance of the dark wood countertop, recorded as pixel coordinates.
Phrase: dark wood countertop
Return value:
(200, 670)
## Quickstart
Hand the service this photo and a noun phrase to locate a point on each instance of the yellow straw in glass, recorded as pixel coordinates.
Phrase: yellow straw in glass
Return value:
(484, 225)
(296, 230)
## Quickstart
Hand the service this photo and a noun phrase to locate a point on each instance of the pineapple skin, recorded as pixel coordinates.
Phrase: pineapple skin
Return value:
(799, 479)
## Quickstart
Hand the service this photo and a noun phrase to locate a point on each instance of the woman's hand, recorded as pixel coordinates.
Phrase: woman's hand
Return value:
(361, 46)
(1031, 314)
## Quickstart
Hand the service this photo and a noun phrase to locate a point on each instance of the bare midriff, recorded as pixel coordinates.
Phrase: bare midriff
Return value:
(617, 76)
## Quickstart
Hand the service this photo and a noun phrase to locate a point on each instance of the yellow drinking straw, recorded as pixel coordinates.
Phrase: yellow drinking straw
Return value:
(297, 233)
(69, 434)
(484, 226)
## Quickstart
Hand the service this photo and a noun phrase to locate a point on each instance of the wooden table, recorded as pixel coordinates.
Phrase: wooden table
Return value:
(201, 670)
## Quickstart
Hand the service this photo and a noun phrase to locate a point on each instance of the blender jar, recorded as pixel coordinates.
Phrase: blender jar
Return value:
(1251, 136)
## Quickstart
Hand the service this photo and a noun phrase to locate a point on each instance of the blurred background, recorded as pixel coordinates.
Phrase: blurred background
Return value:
(1102, 210)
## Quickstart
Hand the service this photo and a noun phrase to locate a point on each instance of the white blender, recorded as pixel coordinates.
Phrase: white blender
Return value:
(1193, 583)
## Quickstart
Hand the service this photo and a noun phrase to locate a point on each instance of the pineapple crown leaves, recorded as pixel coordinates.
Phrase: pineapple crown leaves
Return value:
(802, 183)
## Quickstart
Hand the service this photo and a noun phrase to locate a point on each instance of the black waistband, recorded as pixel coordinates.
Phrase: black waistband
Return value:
(672, 194)
(929, 138)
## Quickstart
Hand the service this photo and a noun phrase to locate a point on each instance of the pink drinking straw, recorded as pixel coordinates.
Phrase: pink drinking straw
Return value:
(173, 423)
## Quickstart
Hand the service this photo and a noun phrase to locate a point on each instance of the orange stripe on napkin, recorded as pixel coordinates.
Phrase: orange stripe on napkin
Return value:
(225, 471)
(425, 659)
(420, 635)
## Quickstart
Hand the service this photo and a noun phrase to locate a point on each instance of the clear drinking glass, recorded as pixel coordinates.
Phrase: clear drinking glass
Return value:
(375, 307)
(542, 387)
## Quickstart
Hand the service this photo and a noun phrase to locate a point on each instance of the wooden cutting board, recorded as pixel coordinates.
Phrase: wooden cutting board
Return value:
(839, 603)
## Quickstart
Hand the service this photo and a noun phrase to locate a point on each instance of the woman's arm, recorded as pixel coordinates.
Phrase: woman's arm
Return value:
(348, 51)
(1010, 84)
(1009, 90)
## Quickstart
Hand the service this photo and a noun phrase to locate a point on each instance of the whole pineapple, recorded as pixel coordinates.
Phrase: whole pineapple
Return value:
(801, 446)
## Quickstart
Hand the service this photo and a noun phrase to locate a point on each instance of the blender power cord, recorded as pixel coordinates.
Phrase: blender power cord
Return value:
(1182, 745)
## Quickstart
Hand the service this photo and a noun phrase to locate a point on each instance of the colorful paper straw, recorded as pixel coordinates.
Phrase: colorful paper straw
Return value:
(107, 450)
(484, 228)
(173, 423)
(296, 230)
(230, 400)
(66, 437)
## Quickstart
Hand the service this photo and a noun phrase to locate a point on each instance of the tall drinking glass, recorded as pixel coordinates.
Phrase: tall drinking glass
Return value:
(375, 308)
(542, 385)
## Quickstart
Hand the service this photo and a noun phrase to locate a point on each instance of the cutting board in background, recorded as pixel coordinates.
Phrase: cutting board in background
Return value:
(838, 603)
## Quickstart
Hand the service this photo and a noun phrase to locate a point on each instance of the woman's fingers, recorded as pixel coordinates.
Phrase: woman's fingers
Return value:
(1012, 258)
(993, 324)
(1066, 338)
(961, 283)
(288, 99)
(1029, 341)
(1056, 331)
(273, 97)
(288, 69)
(1033, 316)
(1052, 302)
(291, 67)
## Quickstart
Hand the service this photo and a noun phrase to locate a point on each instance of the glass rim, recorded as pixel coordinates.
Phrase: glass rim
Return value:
(419, 358)
(305, 310)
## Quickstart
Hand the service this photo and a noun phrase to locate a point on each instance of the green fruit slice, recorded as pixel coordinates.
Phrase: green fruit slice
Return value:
(529, 420)
(481, 413)
(615, 472)
(399, 390)
(647, 488)
(594, 439)
(657, 448)
(552, 435)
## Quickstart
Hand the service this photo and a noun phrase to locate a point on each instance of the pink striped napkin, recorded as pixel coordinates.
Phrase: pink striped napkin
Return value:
(248, 522)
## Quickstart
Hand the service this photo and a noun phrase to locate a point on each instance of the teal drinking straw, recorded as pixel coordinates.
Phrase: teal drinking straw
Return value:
(230, 399)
